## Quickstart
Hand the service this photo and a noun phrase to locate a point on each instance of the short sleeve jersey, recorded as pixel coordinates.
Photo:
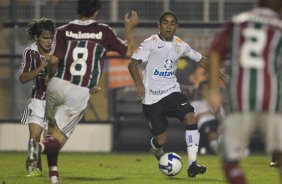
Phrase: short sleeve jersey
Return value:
(31, 60)
(252, 44)
(160, 59)
(81, 47)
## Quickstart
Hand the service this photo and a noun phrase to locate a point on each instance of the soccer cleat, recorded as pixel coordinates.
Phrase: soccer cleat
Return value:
(195, 169)
(34, 173)
(55, 180)
(273, 164)
(158, 152)
(33, 155)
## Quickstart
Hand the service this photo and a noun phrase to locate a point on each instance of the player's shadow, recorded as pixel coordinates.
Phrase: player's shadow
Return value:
(200, 180)
(91, 179)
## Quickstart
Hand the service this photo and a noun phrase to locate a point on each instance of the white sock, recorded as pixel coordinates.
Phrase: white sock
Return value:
(192, 138)
(53, 168)
(214, 146)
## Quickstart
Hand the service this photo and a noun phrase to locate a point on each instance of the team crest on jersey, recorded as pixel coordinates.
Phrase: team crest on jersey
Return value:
(168, 64)
(177, 49)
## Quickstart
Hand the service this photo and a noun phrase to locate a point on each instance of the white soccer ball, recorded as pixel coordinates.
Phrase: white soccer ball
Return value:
(170, 164)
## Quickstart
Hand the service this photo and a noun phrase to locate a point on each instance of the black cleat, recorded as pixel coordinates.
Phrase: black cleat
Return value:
(158, 152)
(195, 169)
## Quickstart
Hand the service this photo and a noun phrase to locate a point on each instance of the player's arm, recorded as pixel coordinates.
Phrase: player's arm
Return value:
(135, 74)
(130, 23)
(52, 66)
(204, 62)
(30, 75)
(214, 97)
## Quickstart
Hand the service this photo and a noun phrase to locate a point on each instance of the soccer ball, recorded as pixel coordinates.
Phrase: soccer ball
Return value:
(170, 164)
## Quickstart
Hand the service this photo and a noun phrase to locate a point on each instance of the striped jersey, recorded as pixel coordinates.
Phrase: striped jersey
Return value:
(81, 47)
(31, 60)
(161, 59)
(252, 41)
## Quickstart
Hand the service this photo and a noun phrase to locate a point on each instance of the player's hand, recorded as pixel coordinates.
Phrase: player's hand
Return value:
(95, 90)
(140, 92)
(131, 20)
(44, 63)
(215, 99)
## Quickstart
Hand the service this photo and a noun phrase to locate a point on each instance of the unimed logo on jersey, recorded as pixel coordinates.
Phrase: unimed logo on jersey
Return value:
(80, 35)
(167, 72)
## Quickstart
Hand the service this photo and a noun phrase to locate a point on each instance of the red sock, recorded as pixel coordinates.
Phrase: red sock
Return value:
(234, 173)
(51, 145)
(52, 159)
(53, 173)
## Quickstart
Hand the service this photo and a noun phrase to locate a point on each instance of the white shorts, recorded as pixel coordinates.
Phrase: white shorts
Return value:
(34, 113)
(238, 129)
(65, 104)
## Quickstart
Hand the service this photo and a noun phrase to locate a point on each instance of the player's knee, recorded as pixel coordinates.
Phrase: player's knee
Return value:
(190, 119)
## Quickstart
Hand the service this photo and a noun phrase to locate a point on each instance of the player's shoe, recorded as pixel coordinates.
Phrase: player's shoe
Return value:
(55, 180)
(34, 173)
(158, 152)
(273, 164)
(195, 169)
(33, 155)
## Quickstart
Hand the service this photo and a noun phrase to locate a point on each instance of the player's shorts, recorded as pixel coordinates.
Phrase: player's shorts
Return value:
(239, 127)
(65, 104)
(174, 105)
(209, 126)
(34, 113)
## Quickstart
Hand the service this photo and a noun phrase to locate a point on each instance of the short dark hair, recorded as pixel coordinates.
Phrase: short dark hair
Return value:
(86, 8)
(37, 26)
(167, 13)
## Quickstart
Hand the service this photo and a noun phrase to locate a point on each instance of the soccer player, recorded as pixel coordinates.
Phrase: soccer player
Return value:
(160, 92)
(208, 120)
(251, 43)
(74, 70)
(33, 68)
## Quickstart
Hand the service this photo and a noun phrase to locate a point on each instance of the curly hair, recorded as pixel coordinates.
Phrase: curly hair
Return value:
(37, 26)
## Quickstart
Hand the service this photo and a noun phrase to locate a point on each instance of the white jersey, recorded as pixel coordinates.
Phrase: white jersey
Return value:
(160, 59)
(204, 108)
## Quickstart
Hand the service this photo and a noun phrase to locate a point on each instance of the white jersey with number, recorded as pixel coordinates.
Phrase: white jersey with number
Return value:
(160, 59)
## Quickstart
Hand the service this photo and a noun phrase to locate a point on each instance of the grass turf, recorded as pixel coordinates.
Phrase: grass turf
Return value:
(131, 168)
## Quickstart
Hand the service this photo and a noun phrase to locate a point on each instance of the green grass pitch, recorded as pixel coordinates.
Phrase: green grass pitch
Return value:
(131, 168)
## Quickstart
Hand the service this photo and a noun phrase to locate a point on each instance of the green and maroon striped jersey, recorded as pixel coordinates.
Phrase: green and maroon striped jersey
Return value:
(252, 44)
(31, 60)
(81, 47)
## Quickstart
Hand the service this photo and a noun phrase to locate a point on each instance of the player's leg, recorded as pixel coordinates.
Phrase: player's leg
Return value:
(212, 135)
(157, 124)
(179, 108)
(35, 132)
(34, 116)
(157, 143)
(52, 160)
(237, 129)
(273, 137)
(273, 162)
(192, 138)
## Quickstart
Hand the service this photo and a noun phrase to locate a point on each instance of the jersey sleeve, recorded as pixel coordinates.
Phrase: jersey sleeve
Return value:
(192, 54)
(221, 42)
(58, 47)
(114, 43)
(143, 52)
(26, 65)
